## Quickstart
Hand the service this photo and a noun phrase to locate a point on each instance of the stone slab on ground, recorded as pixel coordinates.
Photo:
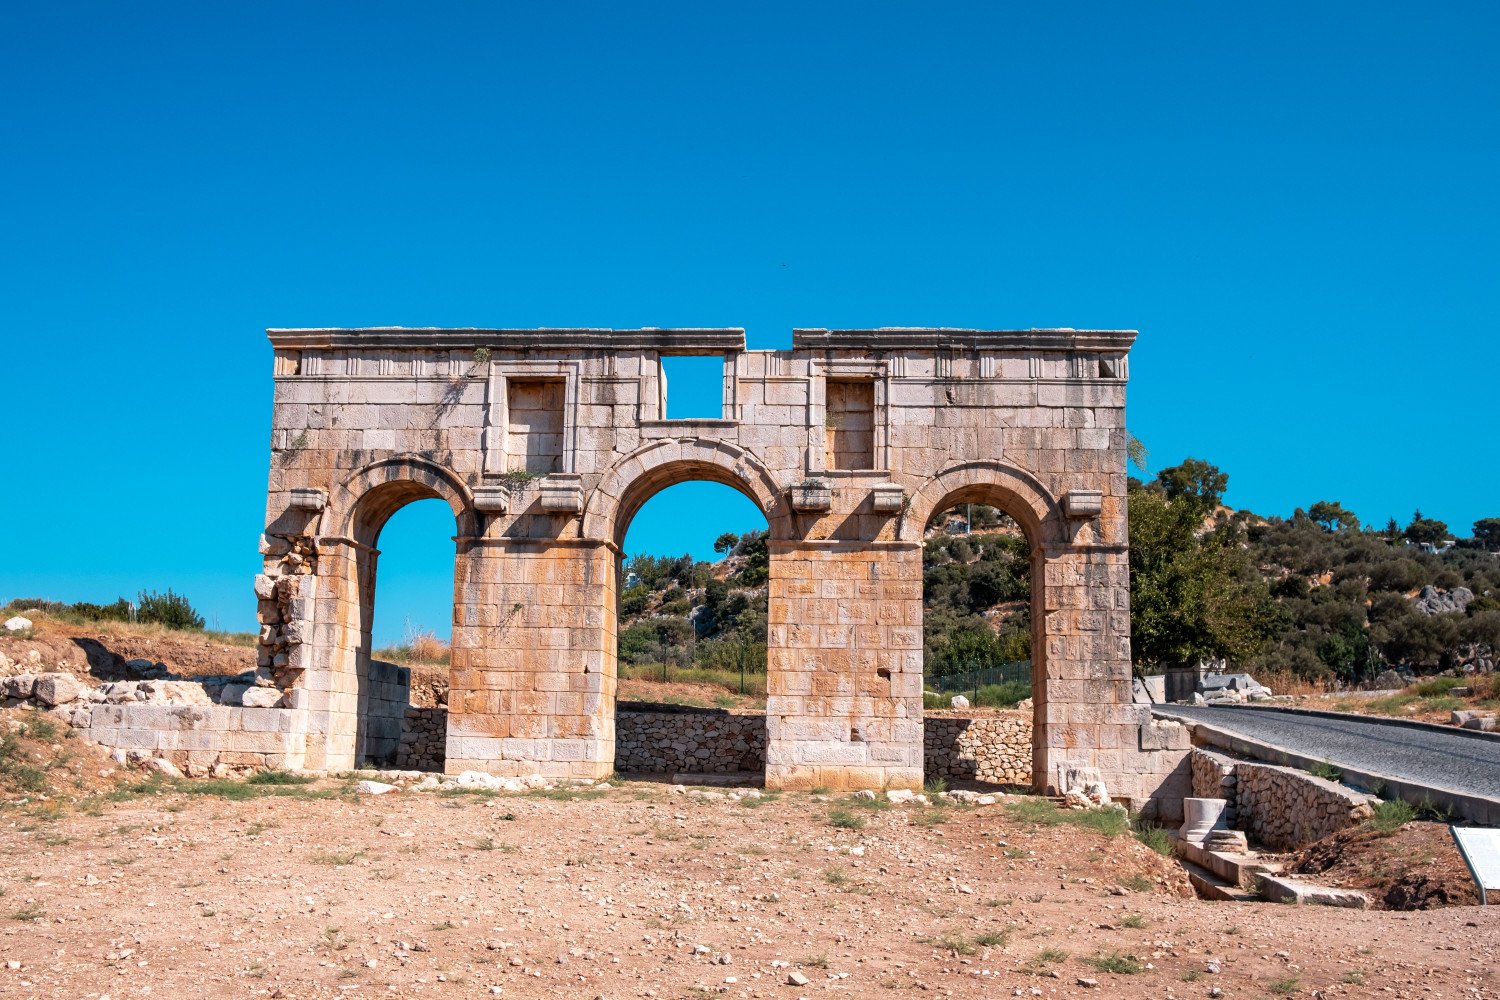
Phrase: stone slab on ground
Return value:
(1276, 889)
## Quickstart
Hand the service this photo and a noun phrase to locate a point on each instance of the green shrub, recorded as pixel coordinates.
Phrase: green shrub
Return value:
(1438, 685)
(843, 819)
(1325, 769)
(1433, 811)
(1004, 695)
(279, 778)
(1153, 837)
(1115, 962)
(1285, 986)
(1392, 815)
(169, 609)
(1042, 812)
(1110, 822)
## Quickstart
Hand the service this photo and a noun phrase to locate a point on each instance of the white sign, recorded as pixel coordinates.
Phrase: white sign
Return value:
(1480, 847)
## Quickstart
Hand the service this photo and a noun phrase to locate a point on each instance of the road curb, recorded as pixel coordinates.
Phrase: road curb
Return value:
(1480, 809)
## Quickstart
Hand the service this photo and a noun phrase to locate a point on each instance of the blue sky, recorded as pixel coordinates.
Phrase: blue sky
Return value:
(1295, 204)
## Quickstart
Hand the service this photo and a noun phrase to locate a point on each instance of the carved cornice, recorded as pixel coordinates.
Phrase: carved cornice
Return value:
(909, 338)
(674, 341)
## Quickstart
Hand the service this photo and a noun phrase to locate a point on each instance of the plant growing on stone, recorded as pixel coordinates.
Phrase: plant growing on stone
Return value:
(1326, 770)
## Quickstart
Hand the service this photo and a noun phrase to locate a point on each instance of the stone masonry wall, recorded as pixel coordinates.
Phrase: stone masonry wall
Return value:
(1032, 421)
(995, 749)
(387, 692)
(691, 742)
(1281, 807)
(992, 749)
(424, 739)
(197, 737)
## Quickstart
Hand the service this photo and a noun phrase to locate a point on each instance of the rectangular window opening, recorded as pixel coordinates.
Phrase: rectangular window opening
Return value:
(850, 417)
(534, 425)
(697, 383)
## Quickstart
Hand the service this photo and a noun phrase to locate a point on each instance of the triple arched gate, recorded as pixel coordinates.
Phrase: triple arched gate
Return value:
(545, 443)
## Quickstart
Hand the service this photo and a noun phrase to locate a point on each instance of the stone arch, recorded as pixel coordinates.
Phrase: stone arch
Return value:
(364, 501)
(1039, 516)
(363, 710)
(648, 470)
(997, 484)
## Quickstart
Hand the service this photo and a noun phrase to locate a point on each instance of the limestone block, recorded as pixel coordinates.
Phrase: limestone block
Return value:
(56, 689)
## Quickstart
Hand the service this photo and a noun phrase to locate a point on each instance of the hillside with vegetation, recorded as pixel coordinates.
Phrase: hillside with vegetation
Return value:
(1315, 596)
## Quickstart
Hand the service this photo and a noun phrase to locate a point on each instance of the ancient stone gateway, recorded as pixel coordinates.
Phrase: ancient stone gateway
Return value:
(545, 443)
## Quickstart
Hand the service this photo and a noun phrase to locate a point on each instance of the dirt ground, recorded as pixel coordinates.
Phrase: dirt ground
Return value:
(1414, 867)
(117, 886)
(1408, 704)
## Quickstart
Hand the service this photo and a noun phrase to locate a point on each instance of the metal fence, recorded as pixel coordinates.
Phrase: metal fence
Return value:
(970, 681)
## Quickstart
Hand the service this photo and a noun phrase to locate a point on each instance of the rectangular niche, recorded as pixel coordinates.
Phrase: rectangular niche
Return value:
(534, 425)
(850, 411)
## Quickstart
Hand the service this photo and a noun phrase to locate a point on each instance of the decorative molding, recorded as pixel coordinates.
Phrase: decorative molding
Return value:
(312, 500)
(811, 498)
(497, 417)
(684, 341)
(562, 493)
(1083, 503)
(887, 498)
(492, 499)
(895, 338)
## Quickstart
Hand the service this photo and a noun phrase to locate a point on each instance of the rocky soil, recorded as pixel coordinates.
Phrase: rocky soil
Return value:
(118, 885)
(101, 651)
(1415, 867)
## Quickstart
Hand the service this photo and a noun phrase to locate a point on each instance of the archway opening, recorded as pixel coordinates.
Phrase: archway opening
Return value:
(401, 663)
(980, 611)
(412, 624)
(691, 632)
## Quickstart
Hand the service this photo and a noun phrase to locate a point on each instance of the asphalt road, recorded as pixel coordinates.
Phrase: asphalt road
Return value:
(1432, 758)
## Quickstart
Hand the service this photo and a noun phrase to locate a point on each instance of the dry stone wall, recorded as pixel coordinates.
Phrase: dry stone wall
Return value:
(424, 739)
(689, 742)
(1280, 807)
(994, 749)
(991, 749)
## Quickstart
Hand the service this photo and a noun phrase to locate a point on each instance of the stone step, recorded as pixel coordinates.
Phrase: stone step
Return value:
(721, 779)
(1285, 890)
(1236, 869)
(1210, 886)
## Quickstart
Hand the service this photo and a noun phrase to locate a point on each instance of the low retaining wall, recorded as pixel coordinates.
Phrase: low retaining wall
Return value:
(1281, 807)
(197, 737)
(994, 749)
(700, 742)
(424, 739)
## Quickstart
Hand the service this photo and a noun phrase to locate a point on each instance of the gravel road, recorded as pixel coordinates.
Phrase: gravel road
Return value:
(1459, 763)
